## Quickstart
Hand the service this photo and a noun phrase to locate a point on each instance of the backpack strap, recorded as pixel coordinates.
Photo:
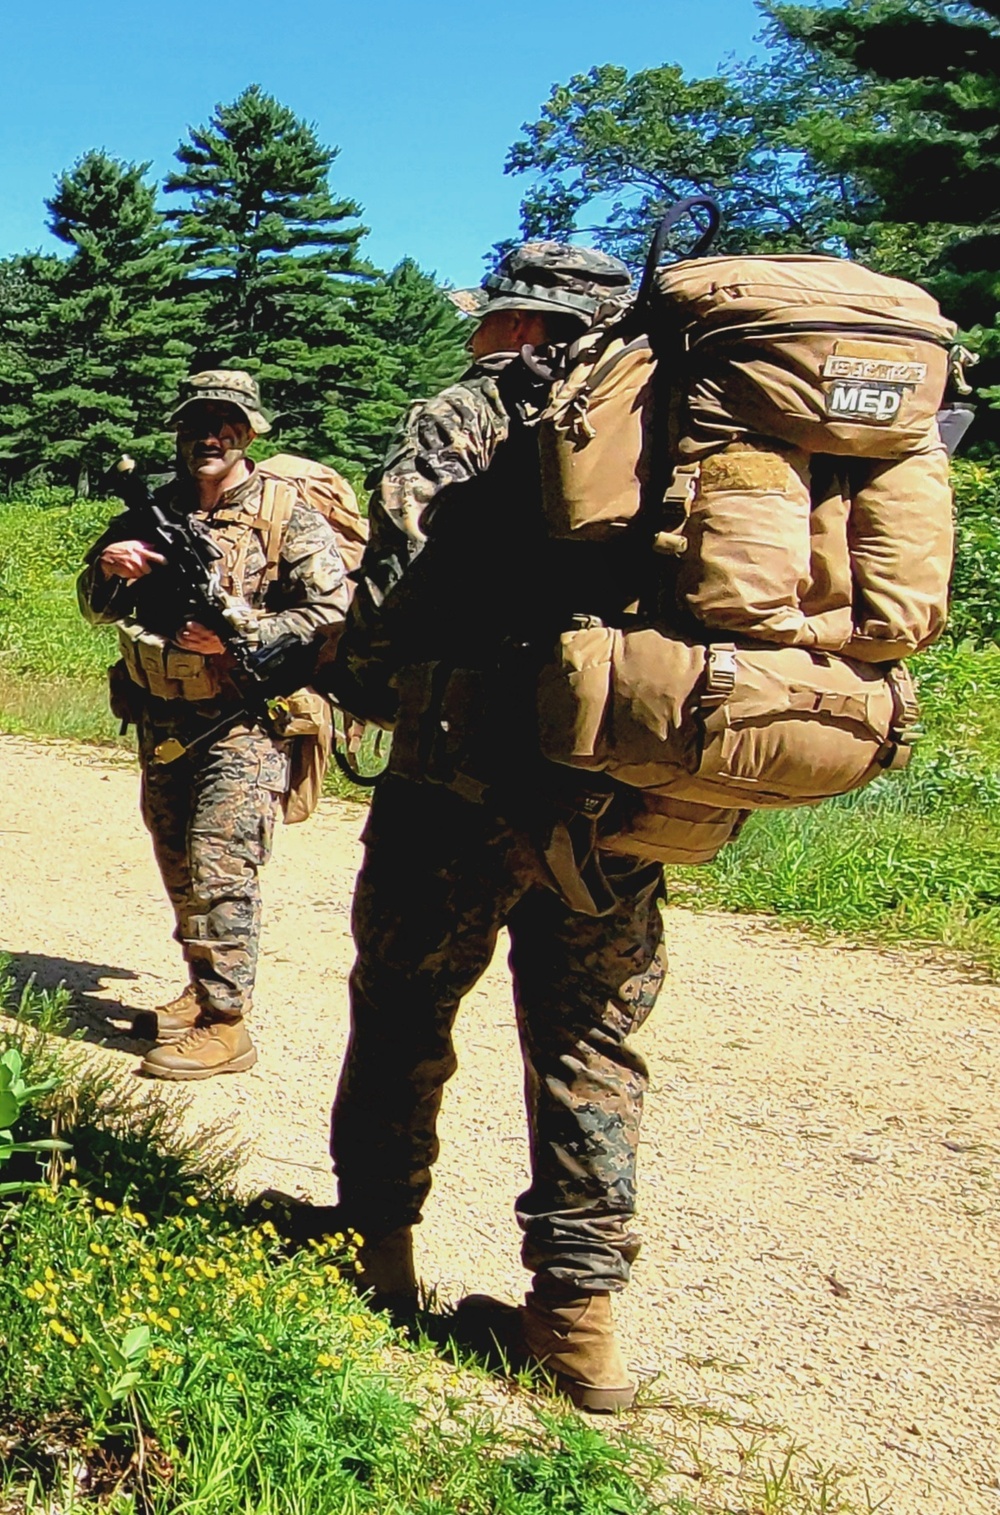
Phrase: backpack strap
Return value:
(278, 500)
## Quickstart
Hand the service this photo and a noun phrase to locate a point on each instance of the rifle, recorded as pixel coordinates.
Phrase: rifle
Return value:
(188, 582)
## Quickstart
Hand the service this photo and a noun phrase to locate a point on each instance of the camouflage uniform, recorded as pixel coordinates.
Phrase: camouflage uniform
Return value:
(449, 439)
(211, 813)
(458, 556)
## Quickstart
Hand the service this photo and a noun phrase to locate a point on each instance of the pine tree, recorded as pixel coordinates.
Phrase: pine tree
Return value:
(408, 340)
(95, 340)
(929, 149)
(271, 253)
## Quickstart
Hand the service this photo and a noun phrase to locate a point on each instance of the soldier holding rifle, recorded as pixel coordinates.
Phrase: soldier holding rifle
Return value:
(211, 807)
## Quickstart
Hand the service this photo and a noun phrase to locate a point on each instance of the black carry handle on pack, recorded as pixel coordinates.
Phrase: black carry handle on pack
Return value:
(673, 217)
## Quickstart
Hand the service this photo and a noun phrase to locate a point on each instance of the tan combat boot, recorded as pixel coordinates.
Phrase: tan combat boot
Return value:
(224, 1047)
(387, 1273)
(170, 1022)
(572, 1335)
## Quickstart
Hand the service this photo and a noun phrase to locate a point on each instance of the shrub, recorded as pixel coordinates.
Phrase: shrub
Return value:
(975, 600)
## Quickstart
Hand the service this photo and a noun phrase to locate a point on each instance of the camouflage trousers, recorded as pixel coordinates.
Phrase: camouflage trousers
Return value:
(211, 816)
(440, 877)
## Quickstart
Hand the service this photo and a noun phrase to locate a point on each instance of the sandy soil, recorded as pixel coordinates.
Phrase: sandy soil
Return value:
(820, 1175)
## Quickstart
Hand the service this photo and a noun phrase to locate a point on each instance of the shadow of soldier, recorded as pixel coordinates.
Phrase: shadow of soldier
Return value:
(68, 990)
(126, 1143)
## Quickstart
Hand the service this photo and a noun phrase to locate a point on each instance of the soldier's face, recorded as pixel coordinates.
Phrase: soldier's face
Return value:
(508, 331)
(212, 438)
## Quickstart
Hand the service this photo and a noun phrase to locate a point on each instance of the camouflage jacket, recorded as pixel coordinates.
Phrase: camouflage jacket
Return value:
(309, 595)
(448, 440)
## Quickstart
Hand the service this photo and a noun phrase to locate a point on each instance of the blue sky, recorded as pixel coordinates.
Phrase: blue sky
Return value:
(423, 100)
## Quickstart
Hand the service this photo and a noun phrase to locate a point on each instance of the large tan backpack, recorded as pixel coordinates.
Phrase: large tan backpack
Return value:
(754, 373)
(768, 426)
(327, 491)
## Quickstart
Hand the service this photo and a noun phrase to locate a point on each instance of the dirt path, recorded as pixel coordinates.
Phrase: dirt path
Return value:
(821, 1160)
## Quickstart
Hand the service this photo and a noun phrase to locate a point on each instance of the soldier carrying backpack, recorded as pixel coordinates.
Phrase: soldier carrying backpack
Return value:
(213, 778)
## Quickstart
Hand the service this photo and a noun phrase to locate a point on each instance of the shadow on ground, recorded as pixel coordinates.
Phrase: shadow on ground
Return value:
(89, 1017)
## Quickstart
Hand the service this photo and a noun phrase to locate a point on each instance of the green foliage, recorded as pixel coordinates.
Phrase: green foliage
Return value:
(622, 147)
(407, 339)
(272, 256)
(42, 633)
(928, 148)
(94, 349)
(870, 128)
(916, 856)
(153, 1334)
(975, 605)
(257, 268)
(15, 1096)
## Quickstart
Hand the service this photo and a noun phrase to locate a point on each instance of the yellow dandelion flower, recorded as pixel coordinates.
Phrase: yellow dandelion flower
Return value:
(190, 1200)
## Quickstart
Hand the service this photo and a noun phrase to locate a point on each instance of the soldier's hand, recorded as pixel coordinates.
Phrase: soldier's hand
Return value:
(194, 637)
(129, 560)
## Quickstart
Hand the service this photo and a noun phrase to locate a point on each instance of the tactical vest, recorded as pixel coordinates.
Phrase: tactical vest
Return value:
(168, 672)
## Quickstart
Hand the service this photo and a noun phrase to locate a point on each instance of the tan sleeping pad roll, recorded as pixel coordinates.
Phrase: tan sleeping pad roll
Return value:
(740, 728)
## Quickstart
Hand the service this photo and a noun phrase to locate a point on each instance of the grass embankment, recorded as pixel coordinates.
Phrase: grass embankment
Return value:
(53, 665)
(914, 857)
(161, 1354)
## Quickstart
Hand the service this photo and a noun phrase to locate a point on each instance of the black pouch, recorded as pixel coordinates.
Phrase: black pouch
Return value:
(124, 696)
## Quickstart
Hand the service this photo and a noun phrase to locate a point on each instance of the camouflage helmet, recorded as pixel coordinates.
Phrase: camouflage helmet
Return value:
(552, 277)
(232, 386)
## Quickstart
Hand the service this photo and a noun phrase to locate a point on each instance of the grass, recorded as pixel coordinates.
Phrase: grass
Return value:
(913, 858)
(52, 665)
(160, 1353)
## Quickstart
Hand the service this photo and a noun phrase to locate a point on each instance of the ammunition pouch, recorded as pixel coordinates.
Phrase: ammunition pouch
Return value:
(165, 671)
(439, 730)
(124, 696)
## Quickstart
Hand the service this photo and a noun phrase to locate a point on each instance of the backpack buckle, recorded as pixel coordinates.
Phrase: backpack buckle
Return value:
(682, 486)
(720, 674)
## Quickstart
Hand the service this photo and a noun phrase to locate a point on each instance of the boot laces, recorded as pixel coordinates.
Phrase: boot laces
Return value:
(184, 1001)
(194, 1039)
